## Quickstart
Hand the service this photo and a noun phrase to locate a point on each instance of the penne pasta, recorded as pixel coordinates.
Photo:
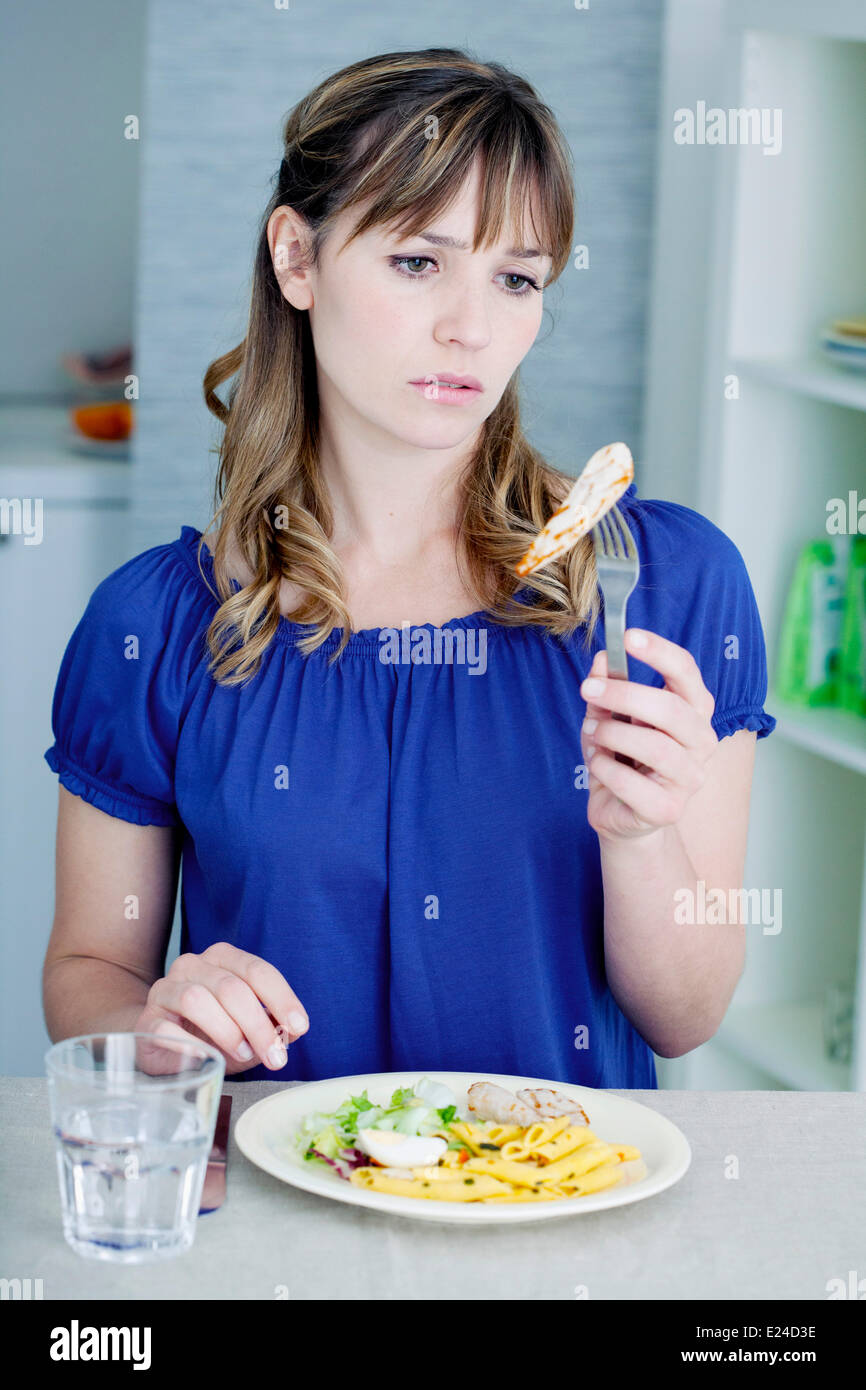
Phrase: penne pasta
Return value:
(524, 1194)
(606, 1175)
(515, 1148)
(500, 1134)
(518, 1172)
(574, 1137)
(472, 1187)
(545, 1130)
(574, 1165)
(534, 1137)
(474, 1136)
(437, 1173)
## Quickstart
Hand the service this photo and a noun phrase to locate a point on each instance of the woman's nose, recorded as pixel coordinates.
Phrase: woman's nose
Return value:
(466, 319)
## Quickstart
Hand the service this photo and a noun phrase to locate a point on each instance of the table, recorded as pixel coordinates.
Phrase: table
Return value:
(793, 1219)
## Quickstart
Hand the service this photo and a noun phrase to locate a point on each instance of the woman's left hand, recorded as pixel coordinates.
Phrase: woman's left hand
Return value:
(670, 739)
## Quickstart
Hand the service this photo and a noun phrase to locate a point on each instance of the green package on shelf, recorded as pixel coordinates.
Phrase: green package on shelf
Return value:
(810, 647)
(852, 665)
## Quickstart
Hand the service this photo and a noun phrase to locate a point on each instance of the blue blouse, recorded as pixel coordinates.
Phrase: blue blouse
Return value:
(404, 839)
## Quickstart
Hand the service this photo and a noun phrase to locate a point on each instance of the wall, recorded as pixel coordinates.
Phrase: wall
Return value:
(69, 75)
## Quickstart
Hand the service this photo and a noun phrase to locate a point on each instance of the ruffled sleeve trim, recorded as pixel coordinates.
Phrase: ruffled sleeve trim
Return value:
(139, 810)
(753, 717)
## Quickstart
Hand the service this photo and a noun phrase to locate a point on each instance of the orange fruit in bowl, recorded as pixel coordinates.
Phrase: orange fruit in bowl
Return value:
(104, 420)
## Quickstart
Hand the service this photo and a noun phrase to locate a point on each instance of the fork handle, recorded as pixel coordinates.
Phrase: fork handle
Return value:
(614, 637)
(617, 669)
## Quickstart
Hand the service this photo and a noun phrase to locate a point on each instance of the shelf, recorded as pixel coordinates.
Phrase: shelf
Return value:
(808, 375)
(837, 734)
(786, 1041)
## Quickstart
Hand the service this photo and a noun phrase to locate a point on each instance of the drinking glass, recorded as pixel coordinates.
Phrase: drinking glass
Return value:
(133, 1117)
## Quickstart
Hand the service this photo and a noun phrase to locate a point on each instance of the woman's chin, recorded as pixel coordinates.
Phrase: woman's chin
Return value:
(438, 434)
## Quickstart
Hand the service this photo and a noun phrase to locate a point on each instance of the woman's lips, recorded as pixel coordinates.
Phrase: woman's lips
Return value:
(444, 392)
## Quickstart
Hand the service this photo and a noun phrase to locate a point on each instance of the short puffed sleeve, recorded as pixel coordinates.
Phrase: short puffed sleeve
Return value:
(119, 697)
(694, 589)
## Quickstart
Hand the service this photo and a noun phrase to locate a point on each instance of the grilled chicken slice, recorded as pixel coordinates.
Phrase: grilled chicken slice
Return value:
(548, 1105)
(602, 482)
(489, 1102)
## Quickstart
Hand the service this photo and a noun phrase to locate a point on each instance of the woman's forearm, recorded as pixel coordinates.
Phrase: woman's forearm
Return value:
(672, 980)
(83, 995)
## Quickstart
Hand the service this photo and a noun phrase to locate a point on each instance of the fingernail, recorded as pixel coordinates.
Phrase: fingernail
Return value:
(589, 725)
(245, 1052)
(298, 1023)
(590, 752)
(636, 637)
(277, 1055)
(592, 686)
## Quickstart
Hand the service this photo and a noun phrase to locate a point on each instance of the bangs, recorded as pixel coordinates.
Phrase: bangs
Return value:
(406, 177)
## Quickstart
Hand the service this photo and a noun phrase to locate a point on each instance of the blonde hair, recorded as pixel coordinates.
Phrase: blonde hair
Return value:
(361, 137)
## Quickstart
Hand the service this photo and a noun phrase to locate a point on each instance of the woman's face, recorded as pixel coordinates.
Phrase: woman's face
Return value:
(392, 315)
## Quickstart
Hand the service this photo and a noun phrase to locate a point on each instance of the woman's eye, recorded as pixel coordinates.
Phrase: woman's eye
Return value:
(528, 282)
(410, 260)
(398, 261)
(402, 263)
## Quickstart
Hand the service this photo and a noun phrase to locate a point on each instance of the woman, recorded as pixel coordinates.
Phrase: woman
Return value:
(392, 860)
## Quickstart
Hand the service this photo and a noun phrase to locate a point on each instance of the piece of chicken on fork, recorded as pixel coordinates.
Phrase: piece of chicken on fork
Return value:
(601, 484)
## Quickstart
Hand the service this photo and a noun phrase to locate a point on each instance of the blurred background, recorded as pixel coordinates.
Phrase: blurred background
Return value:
(713, 318)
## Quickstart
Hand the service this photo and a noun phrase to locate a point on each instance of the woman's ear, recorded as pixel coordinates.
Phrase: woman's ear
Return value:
(288, 239)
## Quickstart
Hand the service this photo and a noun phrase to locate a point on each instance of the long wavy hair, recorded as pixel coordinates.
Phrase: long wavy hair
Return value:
(363, 136)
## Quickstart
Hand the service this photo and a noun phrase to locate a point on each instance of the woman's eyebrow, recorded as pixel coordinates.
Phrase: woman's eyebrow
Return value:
(523, 253)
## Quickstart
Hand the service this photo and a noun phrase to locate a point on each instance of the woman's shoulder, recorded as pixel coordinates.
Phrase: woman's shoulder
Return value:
(673, 534)
(153, 610)
(124, 682)
(695, 589)
(164, 586)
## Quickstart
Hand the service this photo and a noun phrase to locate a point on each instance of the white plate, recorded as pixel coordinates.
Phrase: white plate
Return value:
(264, 1134)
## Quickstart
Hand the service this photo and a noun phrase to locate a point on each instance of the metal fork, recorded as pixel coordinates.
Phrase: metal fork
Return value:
(616, 559)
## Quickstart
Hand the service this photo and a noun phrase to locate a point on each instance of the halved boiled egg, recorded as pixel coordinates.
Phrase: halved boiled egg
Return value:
(402, 1150)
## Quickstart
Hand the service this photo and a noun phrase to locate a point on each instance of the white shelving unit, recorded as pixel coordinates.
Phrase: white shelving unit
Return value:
(786, 254)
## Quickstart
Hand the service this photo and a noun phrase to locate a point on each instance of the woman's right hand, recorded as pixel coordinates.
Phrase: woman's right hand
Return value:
(232, 1000)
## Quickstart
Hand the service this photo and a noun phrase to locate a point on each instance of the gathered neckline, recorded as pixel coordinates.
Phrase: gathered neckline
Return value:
(363, 638)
